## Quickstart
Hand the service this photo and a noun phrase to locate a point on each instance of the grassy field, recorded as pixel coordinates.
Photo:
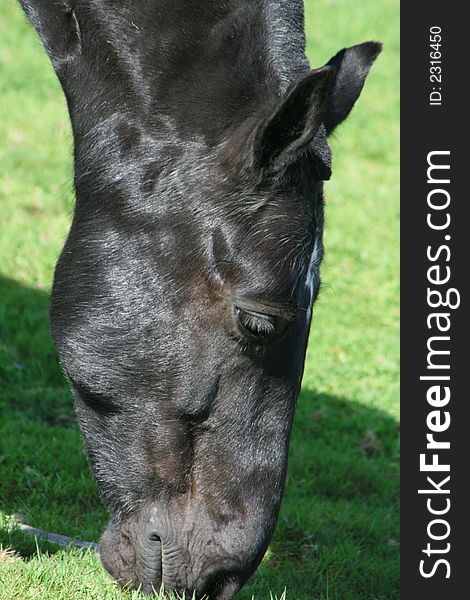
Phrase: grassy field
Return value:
(337, 537)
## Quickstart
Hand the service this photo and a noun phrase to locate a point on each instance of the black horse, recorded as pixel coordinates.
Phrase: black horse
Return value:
(182, 298)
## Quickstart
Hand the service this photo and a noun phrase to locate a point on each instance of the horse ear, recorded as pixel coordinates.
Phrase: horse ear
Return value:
(352, 66)
(57, 26)
(294, 122)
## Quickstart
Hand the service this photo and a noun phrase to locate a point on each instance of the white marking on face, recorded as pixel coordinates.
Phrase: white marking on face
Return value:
(310, 279)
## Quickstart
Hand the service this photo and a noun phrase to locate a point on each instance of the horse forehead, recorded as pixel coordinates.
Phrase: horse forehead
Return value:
(262, 262)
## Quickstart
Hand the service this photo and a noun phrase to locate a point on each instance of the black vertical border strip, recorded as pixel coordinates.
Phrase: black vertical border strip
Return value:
(424, 129)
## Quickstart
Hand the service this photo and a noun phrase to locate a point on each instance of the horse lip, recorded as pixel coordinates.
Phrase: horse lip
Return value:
(224, 584)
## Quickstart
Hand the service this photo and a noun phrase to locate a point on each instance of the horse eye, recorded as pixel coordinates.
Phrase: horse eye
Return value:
(255, 324)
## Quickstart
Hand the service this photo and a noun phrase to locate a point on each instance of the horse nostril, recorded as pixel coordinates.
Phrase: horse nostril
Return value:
(149, 573)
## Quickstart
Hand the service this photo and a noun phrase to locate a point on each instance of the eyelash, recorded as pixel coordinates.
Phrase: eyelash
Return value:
(255, 325)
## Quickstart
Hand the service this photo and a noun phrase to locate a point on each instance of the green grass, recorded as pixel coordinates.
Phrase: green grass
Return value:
(337, 537)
